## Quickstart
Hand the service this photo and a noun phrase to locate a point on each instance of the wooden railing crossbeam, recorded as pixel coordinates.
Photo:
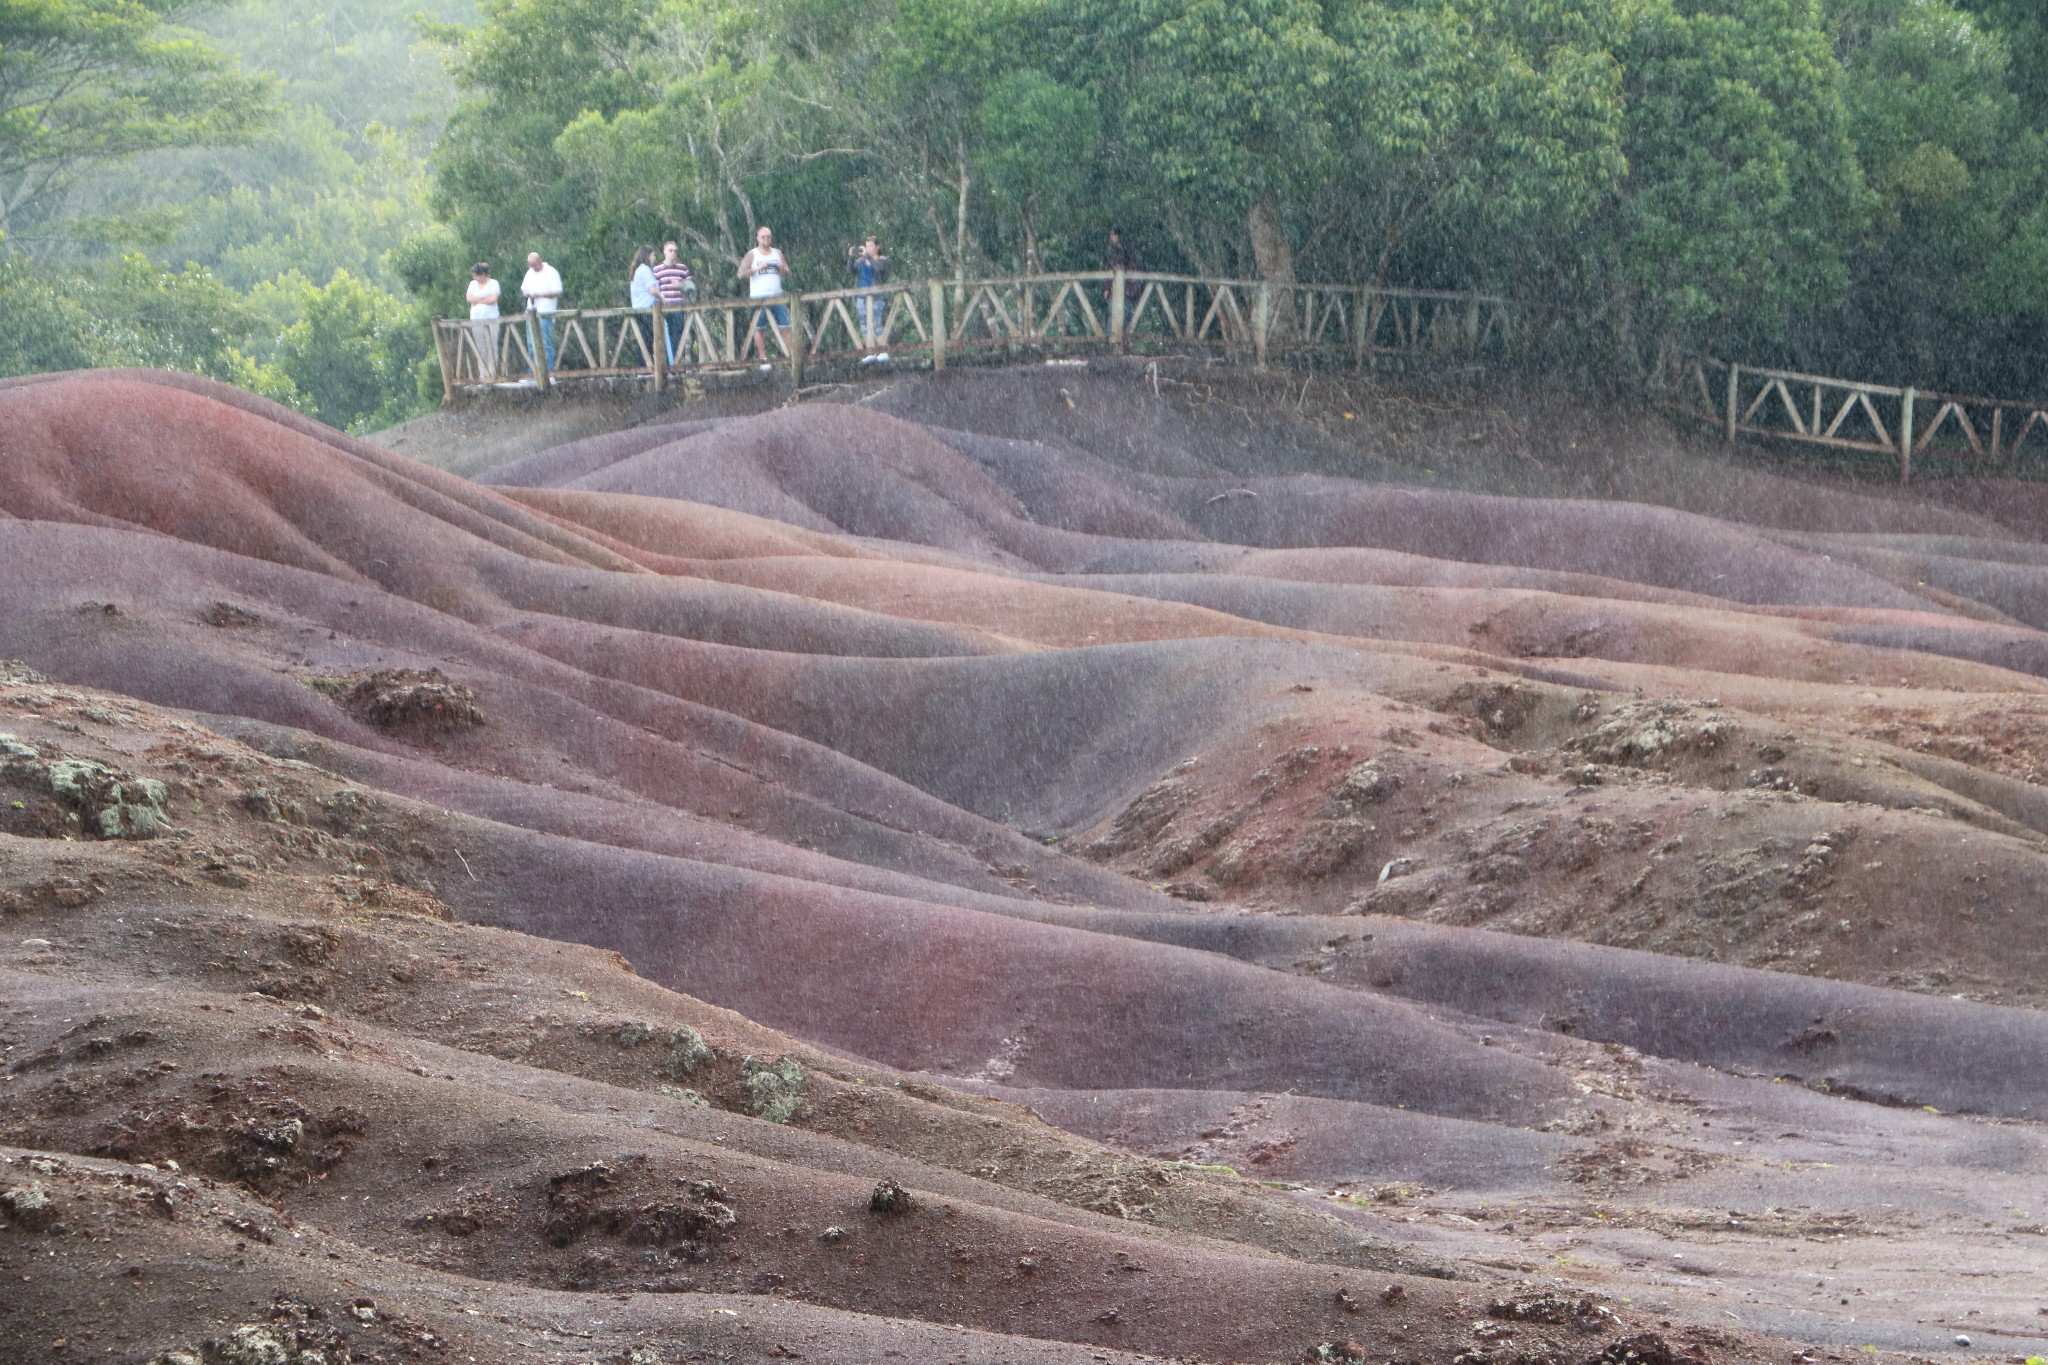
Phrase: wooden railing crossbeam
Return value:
(1817, 410)
(1311, 323)
(1245, 321)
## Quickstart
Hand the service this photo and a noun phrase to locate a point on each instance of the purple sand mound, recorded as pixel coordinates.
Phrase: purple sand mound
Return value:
(1093, 763)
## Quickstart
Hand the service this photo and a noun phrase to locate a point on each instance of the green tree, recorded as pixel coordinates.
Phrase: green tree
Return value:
(128, 312)
(1217, 111)
(933, 73)
(737, 106)
(1744, 191)
(1476, 124)
(1346, 134)
(1953, 259)
(84, 82)
(48, 326)
(527, 71)
(352, 355)
(586, 129)
(2024, 25)
(1039, 144)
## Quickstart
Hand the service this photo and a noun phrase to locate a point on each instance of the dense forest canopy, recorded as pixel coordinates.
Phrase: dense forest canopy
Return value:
(1853, 185)
(251, 236)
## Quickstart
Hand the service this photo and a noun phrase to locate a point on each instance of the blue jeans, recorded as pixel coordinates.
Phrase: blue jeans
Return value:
(547, 336)
(764, 310)
(874, 316)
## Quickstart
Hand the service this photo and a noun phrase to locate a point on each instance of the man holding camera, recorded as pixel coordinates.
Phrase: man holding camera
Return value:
(870, 271)
(764, 269)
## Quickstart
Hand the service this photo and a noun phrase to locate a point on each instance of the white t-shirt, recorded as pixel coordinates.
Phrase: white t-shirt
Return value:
(483, 299)
(766, 281)
(544, 281)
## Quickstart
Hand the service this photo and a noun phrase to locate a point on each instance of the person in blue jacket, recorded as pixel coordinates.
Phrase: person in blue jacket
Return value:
(870, 271)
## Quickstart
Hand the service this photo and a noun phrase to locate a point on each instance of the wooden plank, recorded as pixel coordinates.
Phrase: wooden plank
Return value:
(1950, 411)
(1151, 293)
(1785, 396)
(903, 304)
(990, 305)
(657, 365)
(1116, 311)
(1884, 447)
(1772, 388)
(437, 332)
(1870, 411)
(1076, 291)
(1262, 317)
(2035, 418)
(1212, 317)
(798, 327)
(836, 310)
(1906, 437)
(1796, 377)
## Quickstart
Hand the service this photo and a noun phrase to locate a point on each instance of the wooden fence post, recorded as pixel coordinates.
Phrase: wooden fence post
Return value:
(936, 325)
(536, 338)
(1116, 311)
(796, 341)
(1472, 326)
(1734, 398)
(1906, 436)
(1262, 316)
(657, 360)
(1361, 309)
(439, 335)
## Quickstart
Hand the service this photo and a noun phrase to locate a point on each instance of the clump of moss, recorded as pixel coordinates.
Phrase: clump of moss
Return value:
(775, 1089)
(109, 805)
(630, 1034)
(687, 1051)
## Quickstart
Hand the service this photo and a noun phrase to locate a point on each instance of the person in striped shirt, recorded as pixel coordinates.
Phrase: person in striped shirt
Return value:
(672, 280)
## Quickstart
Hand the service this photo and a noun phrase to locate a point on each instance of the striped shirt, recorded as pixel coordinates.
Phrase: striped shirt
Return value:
(669, 282)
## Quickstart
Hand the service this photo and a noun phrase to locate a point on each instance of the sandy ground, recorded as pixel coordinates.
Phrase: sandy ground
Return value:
(1011, 865)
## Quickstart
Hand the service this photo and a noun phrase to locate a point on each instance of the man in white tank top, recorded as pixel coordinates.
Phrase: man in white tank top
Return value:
(764, 270)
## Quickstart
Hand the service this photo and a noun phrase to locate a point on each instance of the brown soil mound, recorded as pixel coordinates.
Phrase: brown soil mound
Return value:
(1063, 810)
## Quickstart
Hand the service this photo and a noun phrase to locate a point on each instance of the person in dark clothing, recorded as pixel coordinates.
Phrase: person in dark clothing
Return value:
(1121, 255)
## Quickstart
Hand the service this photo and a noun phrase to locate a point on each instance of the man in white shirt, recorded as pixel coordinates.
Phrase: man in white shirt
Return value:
(543, 289)
(764, 270)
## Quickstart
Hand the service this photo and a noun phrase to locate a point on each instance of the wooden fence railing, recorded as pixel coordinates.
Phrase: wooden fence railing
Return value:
(942, 321)
(1249, 322)
(1905, 424)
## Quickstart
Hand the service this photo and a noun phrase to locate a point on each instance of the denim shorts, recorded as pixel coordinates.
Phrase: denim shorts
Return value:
(763, 311)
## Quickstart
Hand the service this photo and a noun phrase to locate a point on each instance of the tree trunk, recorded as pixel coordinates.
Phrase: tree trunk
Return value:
(960, 214)
(1273, 254)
